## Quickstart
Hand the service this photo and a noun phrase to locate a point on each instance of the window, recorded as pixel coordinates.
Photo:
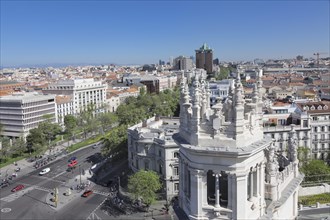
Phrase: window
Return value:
(322, 128)
(176, 171)
(323, 148)
(137, 163)
(315, 137)
(273, 135)
(146, 165)
(176, 186)
(160, 167)
(314, 118)
(176, 154)
(305, 123)
(322, 137)
(159, 153)
(315, 129)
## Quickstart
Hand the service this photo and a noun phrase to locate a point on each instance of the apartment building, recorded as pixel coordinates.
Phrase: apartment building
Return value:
(22, 112)
(319, 114)
(84, 92)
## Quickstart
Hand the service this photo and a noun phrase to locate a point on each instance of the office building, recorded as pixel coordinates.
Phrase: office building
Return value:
(204, 58)
(84, 92)
(22, 112)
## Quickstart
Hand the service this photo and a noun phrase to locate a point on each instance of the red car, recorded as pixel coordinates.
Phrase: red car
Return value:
(73, 163)
(18, 188)
(87, 193)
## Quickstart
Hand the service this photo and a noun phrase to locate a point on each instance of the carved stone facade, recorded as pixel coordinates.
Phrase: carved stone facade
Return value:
(228, 169)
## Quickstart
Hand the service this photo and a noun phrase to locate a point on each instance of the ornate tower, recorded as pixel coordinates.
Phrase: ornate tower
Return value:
(228, 169)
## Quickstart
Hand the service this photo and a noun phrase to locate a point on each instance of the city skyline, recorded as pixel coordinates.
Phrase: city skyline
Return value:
(126, 32)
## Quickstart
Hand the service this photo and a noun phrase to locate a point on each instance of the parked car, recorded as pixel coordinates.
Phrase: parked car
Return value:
(87, 193)
(72, 159)
(44, 171)
(18, 188)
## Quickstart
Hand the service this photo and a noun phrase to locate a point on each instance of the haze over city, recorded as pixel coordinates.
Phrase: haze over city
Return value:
(126, 32)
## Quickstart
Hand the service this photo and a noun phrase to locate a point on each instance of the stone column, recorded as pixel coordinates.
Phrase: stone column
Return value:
(196, 196)
(217, 189)
(230, 190)
(258, 180)
(240, 199)
(251, 185)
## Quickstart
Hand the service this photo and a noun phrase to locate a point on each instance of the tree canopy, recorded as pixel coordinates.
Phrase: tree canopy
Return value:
(144, 184)
(316, 171)
(136, 109)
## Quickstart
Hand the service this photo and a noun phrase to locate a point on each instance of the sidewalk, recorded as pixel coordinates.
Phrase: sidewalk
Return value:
(69, 192)
(27, 167)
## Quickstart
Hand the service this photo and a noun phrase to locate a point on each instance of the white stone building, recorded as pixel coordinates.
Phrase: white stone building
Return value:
(83, 91)
(151, 147)
(22, 112)
(228, 169)
(319, 117)
(64, 106)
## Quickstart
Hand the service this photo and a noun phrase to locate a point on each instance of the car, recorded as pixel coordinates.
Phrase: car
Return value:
(73, 163)
(72, 159)
(18, 188)
(87, 193)
(4, 184)
(44, 171)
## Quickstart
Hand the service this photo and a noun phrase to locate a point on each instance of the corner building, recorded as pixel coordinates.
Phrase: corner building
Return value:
(228, 169)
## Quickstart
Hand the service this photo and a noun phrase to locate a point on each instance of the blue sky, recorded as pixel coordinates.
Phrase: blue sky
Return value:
(138, 32)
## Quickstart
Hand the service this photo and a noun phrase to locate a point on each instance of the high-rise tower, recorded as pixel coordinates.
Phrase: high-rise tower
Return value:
(204, 58)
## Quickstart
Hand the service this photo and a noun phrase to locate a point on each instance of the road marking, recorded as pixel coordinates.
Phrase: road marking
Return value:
(101, 193)
(15, 195)
(42, 188)
(59, 174)
(93, 214)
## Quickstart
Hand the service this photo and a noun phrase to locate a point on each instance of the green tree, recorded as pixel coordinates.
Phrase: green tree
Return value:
(5, 149)
(106, 120)
(1, 128)
(85, 120)
(35, 140)
(19, 146)
(70, 123)
(303, 155)
(144, 184)
(115, 143)
(316, 171)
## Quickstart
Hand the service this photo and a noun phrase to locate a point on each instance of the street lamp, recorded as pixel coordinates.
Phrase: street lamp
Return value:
(80, 174)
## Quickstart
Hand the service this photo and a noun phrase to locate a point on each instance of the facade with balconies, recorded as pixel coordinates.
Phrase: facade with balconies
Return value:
(319, 116)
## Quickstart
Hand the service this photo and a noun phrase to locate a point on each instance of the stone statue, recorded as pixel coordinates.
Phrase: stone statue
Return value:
(272, 163)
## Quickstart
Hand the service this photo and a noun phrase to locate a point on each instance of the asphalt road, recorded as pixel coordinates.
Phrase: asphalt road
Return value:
(320, 213)
(31, 203)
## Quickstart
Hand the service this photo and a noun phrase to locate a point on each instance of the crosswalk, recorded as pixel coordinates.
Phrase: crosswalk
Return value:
(101, 193)
(16, 195)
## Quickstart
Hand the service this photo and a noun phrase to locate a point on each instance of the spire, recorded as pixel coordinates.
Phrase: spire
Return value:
(239, 98)
(255, 94)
